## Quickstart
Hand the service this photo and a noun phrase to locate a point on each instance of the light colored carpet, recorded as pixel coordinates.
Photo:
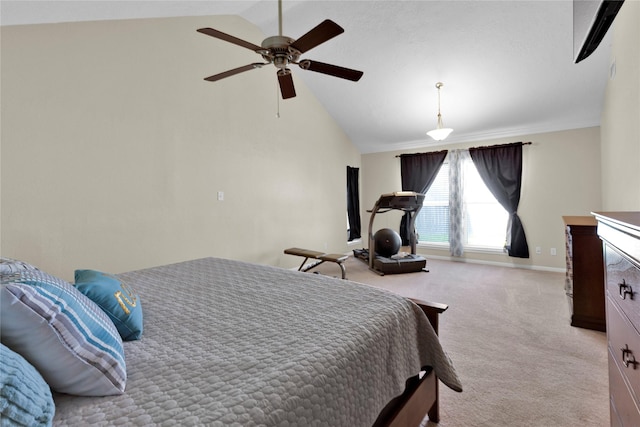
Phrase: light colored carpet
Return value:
(507, 331)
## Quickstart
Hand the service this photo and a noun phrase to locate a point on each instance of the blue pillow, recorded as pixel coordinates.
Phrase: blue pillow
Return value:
(63, 334)
(117, 298)
(25, 398)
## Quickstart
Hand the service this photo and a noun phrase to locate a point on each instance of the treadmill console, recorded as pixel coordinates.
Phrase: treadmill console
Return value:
(402, 200)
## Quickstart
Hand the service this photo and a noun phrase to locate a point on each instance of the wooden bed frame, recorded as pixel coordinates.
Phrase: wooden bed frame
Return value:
(421, 396)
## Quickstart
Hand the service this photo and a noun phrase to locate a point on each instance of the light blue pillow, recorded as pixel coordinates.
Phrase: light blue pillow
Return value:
(117, 298)
(63, 334)
(25, 398)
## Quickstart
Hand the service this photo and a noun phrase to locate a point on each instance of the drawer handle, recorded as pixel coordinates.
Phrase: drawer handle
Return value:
(628, 358)
(625, 290)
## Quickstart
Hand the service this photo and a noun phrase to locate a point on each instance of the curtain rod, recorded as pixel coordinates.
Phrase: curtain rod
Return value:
(472, 148)
(501, 145)
(430, 152)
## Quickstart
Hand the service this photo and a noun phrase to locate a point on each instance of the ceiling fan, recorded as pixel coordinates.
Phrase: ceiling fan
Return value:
(282, 51)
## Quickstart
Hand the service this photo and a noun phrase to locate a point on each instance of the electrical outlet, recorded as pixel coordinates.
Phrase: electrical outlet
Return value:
(553, 252)
(221, 195)
(538, 250)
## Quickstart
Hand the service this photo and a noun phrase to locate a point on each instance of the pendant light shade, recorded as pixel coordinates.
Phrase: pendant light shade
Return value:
(440, 132)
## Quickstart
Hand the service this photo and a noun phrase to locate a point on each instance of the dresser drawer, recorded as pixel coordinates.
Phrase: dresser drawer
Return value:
(624, 410)
(623, 284)
(624, 346)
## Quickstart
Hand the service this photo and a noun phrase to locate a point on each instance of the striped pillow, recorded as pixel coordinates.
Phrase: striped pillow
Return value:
(63, 334)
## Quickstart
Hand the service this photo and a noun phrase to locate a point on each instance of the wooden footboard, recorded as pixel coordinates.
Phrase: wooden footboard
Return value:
(421, 396)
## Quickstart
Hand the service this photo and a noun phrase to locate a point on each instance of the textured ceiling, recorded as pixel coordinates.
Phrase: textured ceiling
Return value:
(507, 66)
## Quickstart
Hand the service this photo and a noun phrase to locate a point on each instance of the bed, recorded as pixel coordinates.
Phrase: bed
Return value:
(233, 343)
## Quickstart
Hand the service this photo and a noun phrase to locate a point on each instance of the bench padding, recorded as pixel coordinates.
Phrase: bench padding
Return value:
(306, 253)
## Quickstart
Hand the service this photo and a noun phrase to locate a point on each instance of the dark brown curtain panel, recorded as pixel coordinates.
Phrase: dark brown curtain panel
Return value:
(353, 202)
(500, 167)
(417, 172)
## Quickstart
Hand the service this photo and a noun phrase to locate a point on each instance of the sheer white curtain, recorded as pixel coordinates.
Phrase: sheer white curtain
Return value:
(456, 197)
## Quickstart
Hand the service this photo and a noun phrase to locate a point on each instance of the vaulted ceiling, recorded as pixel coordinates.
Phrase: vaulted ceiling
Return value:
(507, 66)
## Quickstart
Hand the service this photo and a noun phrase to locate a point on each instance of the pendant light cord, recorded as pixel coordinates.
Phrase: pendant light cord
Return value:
(439, 85)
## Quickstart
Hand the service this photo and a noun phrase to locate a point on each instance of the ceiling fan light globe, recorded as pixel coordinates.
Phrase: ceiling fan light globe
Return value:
(440, 133)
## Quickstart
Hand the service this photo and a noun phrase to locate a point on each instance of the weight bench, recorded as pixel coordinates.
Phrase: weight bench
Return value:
(320, 256)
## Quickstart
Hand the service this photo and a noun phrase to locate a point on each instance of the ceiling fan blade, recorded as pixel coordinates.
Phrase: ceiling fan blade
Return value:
(332, 70)
(324, 31)
(286, 84)
(238, 70)
(231, 39)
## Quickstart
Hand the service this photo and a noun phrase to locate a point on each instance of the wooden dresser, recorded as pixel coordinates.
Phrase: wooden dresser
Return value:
(620, 232)
(585, 272)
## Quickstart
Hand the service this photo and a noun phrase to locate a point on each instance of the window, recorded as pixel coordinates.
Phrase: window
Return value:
(432, 222)
(484, 220)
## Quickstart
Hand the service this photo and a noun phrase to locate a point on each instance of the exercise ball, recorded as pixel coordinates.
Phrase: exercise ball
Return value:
(387, 242)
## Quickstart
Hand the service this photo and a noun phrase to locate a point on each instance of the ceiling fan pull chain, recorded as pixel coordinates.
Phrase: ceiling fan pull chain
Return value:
(277, 102)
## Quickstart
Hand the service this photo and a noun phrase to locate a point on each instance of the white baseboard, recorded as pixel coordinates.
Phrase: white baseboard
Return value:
(496, 263)
(358, 243)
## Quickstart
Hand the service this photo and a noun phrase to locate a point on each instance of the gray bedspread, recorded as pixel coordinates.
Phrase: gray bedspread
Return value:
(232, 343)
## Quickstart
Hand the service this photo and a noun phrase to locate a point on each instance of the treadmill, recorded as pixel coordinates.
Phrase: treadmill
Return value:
(409, 202)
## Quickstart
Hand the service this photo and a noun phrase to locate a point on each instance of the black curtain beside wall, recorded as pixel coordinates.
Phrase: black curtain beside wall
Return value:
(353, 202)
(417, 172)
(500, 167)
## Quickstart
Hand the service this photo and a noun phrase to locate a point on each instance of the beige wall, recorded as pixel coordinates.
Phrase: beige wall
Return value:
(114, 149)
(621, 115)
(561, 176)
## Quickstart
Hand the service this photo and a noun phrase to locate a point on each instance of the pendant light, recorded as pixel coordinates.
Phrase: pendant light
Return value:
(440, 132)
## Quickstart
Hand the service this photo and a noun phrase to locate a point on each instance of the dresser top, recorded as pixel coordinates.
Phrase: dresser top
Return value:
(629, 219)
(622, 230)
(580, 220)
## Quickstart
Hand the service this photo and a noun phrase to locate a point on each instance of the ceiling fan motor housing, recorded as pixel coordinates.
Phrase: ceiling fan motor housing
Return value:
(279, 51)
